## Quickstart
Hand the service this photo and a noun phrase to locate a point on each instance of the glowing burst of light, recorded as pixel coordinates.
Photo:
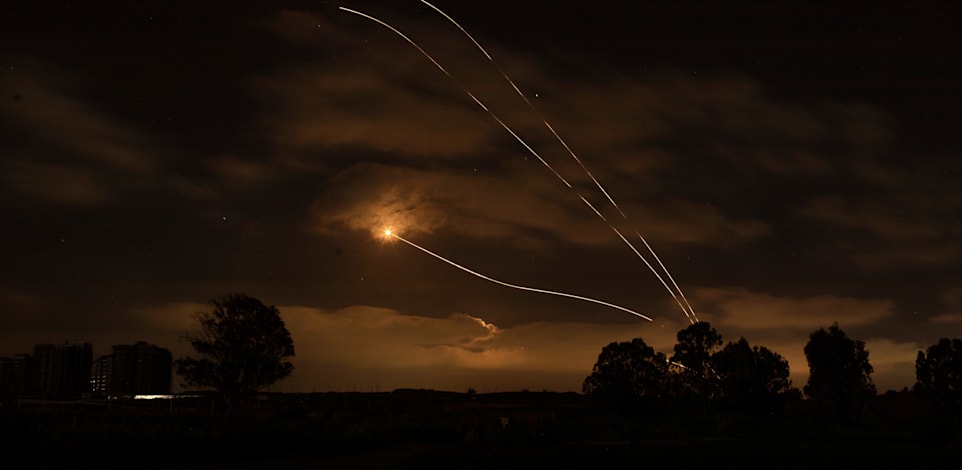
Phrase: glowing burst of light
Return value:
(385, 234)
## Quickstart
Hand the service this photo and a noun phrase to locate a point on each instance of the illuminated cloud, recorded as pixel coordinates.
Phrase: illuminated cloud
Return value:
(372, 342)
(947, 319)
(743, 309)
(369, 336)
(893, 361)
(369, 197)
(389, 104)
(311, 109)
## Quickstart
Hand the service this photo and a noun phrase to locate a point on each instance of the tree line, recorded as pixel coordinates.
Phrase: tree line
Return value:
(702, 377)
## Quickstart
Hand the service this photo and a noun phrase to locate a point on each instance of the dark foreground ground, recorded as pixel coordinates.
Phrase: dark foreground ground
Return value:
(426, 429)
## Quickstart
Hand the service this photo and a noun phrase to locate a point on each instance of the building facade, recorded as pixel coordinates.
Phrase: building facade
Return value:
(137, 369)
(15, 375)
(61, 371)
(100, 374)
(68, 371)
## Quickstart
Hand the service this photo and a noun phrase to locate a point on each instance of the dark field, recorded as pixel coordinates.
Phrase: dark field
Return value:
(426, 429)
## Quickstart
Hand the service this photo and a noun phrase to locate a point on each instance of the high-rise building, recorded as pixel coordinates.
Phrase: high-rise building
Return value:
(139, 369)
(62, 370)
(100, 375)
(15, 375)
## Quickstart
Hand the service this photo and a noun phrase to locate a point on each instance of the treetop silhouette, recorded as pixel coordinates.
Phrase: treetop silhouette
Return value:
(241, 347)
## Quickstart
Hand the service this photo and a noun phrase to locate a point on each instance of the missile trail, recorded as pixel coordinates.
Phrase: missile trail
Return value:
(522, 142)
(693, 318)
(530, 105)
(463, 88)
(508, 129)
(689, 312)
(690, 317)
(515, 286)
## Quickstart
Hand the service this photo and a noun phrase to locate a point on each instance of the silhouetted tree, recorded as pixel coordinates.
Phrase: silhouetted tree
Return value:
(754, 380)
(628, 373)
(693, 352)
(938, 374)
(241, 346)
(839, 374)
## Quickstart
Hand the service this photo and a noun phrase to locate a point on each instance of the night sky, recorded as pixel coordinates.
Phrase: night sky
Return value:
(792, 166)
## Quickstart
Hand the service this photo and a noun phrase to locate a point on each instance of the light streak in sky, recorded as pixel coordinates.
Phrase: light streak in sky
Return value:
(390, 234)
(689, 311)
(471, 95)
